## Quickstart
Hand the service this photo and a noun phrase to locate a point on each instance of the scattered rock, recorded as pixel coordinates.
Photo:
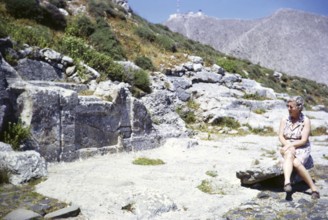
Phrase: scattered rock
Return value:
(148, 205)
(23, 166)
(22, 214)
(37, 70)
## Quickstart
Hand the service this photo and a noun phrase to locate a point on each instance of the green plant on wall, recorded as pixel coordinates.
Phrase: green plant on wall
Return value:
(15, 134)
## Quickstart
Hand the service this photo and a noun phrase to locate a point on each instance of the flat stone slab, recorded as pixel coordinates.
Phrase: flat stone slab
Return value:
(71, 211)
(22, 214)
(258, 174)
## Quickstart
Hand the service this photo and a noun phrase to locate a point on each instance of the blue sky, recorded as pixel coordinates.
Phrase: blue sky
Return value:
(158, 11)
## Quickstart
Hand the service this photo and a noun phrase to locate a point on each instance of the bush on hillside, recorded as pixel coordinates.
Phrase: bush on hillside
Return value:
(105, 41)
(102, 8)
(36, 35)
(97, 8)
(48, 14)
(81, 26)
(227, 64)
(145, 33)
(23, 8)
(141, 80)
(3, 29)
(227, 122)
(144, 62)
(166, 43)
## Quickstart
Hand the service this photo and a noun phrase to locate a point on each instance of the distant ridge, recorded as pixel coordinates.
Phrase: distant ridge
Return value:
(290, 41)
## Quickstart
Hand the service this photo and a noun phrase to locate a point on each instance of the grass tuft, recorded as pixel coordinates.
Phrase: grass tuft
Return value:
(147, 161)
(208, 187)
(212, 173)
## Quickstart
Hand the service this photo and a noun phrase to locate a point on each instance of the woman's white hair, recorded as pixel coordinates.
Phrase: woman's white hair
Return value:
(298, 100)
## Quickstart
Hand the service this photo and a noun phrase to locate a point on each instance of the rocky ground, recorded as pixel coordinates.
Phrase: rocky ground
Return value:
(112, 187)
(24, 196)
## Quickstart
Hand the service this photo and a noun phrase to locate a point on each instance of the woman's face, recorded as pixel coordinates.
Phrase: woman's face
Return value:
(293, 109)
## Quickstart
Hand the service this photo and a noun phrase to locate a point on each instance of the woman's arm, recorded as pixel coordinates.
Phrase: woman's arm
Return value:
(282, 139)
(305, 134)
(286, 144)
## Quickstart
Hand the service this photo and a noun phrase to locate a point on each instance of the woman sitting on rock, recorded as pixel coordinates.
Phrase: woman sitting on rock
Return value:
(294, 134)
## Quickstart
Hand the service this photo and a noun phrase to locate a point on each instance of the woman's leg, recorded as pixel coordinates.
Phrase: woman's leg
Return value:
(304, 174)
(288, 165)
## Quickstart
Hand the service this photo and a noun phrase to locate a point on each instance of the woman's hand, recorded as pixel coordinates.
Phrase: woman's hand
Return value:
(288, 147)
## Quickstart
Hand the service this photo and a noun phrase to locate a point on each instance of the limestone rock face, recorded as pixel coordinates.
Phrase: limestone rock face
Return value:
(7, 73)
(62, 120)
(37, 70)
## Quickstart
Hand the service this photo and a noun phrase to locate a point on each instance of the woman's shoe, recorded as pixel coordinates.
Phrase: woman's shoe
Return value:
(288, 187)
(315, 195)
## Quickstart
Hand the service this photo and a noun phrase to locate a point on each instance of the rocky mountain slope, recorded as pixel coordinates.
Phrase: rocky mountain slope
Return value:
(289, 41)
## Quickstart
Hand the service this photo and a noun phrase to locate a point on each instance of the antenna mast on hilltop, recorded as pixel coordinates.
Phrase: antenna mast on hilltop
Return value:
(178, 6)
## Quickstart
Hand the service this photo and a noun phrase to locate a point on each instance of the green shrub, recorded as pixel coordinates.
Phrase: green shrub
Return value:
(15, 134)
(101, 8)
(227, 122)
(254, 96)
(187, 116)
(80, 26)
(75, 47)
(141, 80)
(227, 64)
(146, 161)
(145, 33)
(97, 8)
(23, 8)
(48, 14)
(144, 62)
(166, 43)
(78, 49)
(192, 104)
(37, 35)
(3, 28)
(105, 41)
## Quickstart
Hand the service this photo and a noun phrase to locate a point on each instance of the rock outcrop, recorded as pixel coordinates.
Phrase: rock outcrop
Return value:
(21, 166)
(62, 121)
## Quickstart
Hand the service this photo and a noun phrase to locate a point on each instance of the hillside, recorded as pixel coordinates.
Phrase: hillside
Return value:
(84, 35)
(289, 41)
